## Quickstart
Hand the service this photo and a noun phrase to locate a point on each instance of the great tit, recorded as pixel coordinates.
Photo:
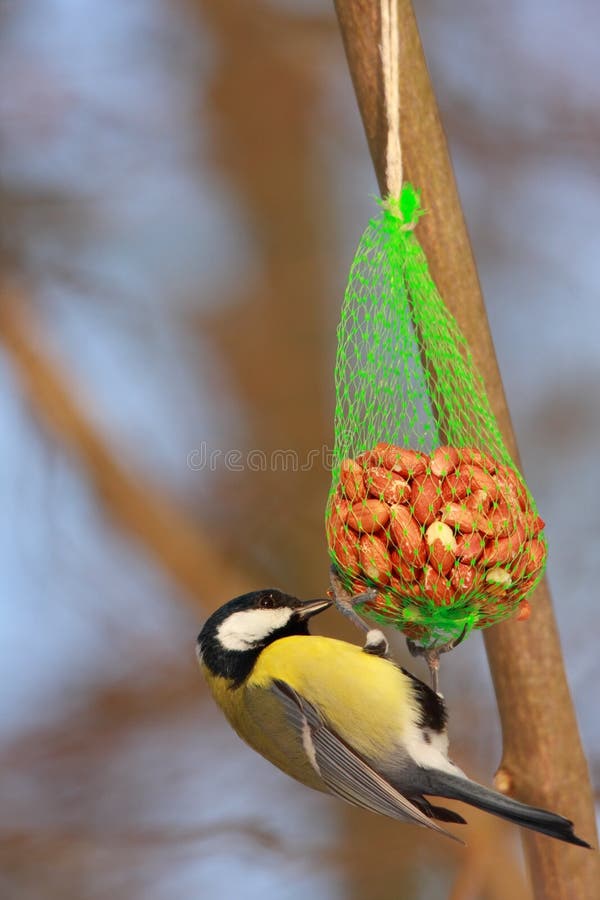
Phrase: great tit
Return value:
(341, 718)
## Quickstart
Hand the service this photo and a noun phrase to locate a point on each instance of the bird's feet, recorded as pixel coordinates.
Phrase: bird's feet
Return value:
(432, 654)
(345, 602)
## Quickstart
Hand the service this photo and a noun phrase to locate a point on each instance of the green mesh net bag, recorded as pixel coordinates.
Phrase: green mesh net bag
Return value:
(426, 505)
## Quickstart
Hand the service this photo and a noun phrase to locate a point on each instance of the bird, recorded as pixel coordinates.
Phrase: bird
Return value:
(341, 718)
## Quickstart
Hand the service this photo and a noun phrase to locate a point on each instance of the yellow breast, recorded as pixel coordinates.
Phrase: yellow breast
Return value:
(260, 719)
(367, 700)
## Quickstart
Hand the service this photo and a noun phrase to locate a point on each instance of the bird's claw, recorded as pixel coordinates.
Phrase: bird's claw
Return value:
(345, 602)
(432, 654)
(416, 650)
(365, 597)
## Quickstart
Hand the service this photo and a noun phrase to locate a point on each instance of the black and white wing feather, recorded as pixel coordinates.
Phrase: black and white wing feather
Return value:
(344, 772)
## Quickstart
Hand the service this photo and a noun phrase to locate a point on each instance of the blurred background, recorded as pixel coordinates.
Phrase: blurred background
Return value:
(183, 185)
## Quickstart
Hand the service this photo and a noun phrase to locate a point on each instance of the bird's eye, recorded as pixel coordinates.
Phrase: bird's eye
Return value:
(267, 602)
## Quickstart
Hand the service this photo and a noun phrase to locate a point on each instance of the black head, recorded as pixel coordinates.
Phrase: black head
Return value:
(233, 637)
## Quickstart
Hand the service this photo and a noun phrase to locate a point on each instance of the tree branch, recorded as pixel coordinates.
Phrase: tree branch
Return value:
(543, 760)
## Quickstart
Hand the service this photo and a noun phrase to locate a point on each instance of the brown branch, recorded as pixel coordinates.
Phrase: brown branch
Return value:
(151, 518)
(543, 756)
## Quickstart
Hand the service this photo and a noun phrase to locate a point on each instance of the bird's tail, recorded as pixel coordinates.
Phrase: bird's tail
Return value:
(452, 787)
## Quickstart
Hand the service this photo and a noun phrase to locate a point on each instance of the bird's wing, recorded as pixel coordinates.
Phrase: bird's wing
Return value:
(344, 772)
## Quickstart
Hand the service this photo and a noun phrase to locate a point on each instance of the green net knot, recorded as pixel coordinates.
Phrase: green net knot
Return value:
(407, 207)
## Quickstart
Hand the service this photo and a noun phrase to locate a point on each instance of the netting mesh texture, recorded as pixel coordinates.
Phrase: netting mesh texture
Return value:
(426, 505)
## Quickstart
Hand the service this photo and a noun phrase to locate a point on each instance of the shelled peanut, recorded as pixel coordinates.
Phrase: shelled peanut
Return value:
(453, 526)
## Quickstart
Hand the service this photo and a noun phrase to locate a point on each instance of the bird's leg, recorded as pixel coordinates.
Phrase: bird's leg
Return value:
(375, 641)
(345, 602)
(432, 658)
(432, 654)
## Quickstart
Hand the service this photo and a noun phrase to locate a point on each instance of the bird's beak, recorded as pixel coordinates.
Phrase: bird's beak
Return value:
(312, 607)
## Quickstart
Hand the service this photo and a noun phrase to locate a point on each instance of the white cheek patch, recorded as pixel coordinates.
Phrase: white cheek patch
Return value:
(246, 628)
